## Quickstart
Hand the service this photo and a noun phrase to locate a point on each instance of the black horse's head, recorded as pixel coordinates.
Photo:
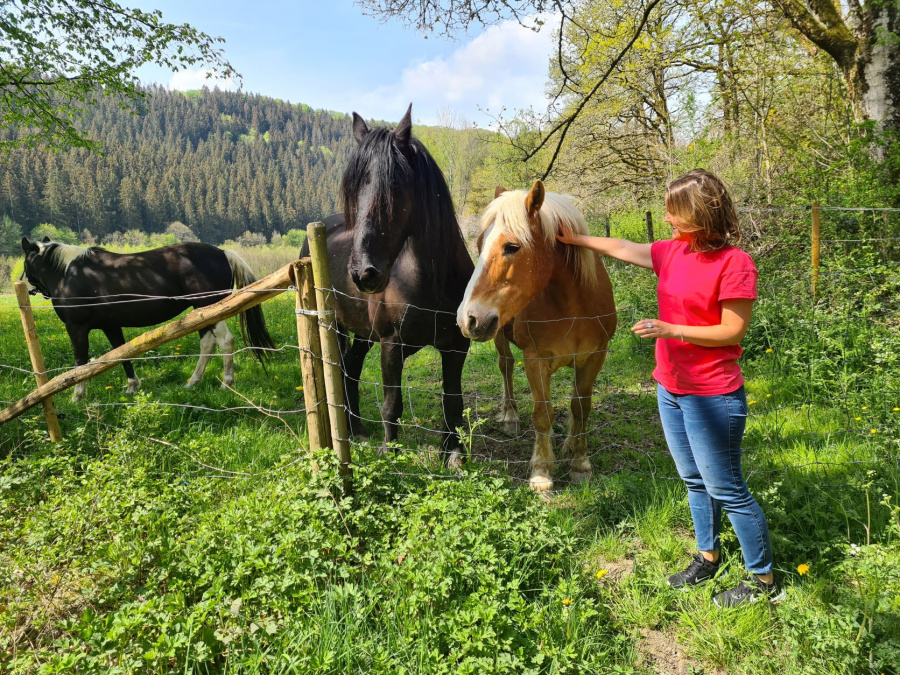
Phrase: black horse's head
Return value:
(379, 193)
(42, 265)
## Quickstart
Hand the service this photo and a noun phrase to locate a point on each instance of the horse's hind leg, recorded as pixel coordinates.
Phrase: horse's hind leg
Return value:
(354, 356)
(452, 362)
(509, 413)
(207, 345)
(575, 445)
(225, 340)
(117, 339)
(79, 337)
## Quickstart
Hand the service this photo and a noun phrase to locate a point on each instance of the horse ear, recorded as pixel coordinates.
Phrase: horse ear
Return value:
(29, 246)
(535, 198)
(360, 128)
(46, 240)
(403, 131)
(499, 190)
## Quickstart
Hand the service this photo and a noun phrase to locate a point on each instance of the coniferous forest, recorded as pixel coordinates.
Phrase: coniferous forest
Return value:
(220, 162)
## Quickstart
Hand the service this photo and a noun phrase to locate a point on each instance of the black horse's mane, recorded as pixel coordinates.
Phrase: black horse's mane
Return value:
(380, 159)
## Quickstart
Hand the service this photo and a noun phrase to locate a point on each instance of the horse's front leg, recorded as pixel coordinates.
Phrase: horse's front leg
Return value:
(392, 357)
(452, 362)
(79, 337)
(542, 460)
(117, 339)
(575, 445)
(509, 412)
(354, 356)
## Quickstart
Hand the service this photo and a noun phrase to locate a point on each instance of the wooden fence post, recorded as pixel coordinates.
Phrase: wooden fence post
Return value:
(311, 357)
(650, 238)
(334, 383)
(37, 359)
(816, 249)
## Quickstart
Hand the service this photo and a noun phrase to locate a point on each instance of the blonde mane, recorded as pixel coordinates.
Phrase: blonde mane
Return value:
(507, 212)
(63, 255)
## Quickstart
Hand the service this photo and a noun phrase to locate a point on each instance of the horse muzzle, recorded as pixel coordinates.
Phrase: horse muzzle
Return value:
(479, 324)
(370, 279)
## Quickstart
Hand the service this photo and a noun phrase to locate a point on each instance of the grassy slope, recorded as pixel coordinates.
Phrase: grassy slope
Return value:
(168, 534)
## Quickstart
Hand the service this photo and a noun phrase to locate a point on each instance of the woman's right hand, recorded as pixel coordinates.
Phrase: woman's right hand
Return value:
(566, 237)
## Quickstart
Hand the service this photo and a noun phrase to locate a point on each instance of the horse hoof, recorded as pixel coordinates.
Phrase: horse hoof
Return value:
(456, 460)
(541, 483)
(190, 385)
(580, 476)
(133, 386)
(511, 428)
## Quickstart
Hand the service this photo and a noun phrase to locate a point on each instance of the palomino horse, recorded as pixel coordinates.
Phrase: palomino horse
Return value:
(399, 266)
(94, 288)
(552, 300)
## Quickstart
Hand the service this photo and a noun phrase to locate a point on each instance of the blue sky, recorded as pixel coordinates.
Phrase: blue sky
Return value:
(327, 54)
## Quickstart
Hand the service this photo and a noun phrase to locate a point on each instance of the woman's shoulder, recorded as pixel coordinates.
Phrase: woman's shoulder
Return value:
(737, 257)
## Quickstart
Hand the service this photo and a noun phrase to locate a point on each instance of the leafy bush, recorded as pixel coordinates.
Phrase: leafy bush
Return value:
(63, 235)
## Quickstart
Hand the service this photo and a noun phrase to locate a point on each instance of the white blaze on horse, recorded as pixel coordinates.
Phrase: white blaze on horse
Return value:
(552, 300)
(94, 288)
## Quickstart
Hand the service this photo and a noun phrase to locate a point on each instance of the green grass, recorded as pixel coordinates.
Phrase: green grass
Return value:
(185, 531)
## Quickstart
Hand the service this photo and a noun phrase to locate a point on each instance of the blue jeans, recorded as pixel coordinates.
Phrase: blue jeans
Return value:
(704, 435)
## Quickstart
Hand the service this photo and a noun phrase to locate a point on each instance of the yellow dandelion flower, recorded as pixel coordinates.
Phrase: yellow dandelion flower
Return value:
(873, 431)
(299, 388)
(857, 418)
(108, 388)
(751, 402)
(601, 574)
(55, 579)
(518, 363)
(865, 407)
(802, 569)
(896, 409)
(567, 601)
(769, 350)
(768, 395)
(276, 377)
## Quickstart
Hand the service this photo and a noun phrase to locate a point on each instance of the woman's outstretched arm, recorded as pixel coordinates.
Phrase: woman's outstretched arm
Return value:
(620, 249)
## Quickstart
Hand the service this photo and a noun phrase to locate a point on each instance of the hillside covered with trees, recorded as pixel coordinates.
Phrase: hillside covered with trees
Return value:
(220, 162)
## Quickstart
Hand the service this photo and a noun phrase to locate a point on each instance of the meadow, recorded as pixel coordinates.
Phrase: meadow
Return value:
(193, 531)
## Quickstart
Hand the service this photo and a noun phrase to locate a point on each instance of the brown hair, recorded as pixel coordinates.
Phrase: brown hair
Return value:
(701, 202)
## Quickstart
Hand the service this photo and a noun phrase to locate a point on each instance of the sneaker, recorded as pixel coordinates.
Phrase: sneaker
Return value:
(749, 591)
(697, 572)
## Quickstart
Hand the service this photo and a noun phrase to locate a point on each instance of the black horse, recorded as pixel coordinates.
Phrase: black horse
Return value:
(94, 288)
(399, 267)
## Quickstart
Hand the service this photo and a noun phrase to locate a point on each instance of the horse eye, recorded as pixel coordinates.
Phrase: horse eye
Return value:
(509, 248)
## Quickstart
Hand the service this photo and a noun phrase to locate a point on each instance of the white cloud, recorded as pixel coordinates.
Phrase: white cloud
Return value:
(504, 67)
(185, 80)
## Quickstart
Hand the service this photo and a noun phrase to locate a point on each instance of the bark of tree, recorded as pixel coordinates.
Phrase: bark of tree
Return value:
(866, 47)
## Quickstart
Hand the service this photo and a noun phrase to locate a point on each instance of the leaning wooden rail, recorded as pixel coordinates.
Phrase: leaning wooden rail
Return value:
(241, 299)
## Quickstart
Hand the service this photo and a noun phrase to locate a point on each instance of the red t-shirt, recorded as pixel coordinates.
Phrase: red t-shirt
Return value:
(690, 292)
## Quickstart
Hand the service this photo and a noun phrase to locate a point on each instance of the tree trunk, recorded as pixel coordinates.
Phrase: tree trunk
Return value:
(866, 47)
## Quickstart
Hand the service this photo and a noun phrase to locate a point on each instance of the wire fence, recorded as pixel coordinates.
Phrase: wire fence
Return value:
(823, 390)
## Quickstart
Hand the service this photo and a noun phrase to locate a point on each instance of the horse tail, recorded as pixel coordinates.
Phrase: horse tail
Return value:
(253, 323)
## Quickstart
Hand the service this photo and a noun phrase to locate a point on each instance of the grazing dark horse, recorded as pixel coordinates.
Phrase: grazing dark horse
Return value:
(399, 266)
(552, 300)
(94, 288)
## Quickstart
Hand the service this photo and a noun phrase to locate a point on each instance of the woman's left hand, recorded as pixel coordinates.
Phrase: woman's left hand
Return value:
(654, 328)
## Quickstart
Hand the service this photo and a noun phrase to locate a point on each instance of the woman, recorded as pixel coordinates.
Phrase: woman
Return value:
(705, 292)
